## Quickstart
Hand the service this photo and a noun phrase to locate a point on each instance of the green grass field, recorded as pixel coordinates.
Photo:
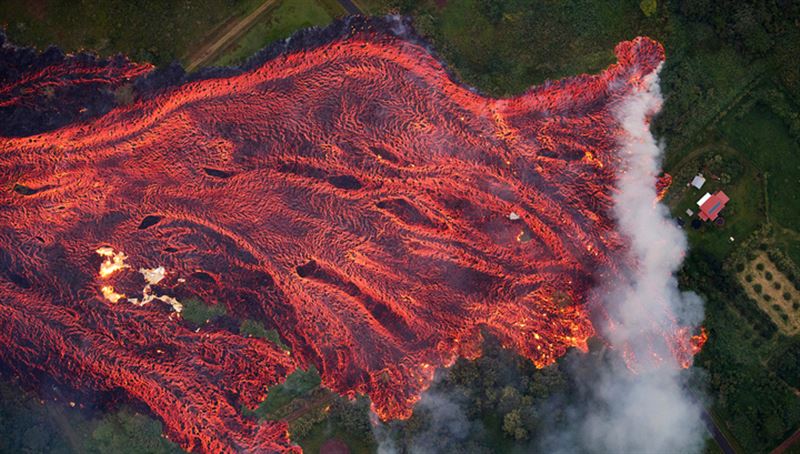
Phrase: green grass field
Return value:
(764, 139)
(285, 19)
(505, 47)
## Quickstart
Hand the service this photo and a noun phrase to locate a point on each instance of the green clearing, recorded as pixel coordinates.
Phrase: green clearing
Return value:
(149, 30)
(252, 328)
(505, 47)
(744, 212)
(288, 17)
(199, 313)
(298, 384)
(764, 139)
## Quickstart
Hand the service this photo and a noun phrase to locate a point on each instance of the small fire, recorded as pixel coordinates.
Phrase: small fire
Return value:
(114, 261)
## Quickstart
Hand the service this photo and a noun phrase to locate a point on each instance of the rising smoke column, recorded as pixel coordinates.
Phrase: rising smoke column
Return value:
(641, 404)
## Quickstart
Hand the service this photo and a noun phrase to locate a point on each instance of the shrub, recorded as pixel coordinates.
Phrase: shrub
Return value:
(776, 285)
(795, 305)
(757, 288)
(766, 297)
(785, 317)
(787, 296)
(740, 267)
(760, 266)
(777, 308)
(768, 275)
(749, 278)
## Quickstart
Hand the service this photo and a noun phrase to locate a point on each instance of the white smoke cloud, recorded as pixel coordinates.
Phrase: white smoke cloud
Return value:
(642, 406)
(446, 424)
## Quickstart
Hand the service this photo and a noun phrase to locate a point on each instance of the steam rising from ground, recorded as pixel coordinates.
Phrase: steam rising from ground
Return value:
(640, 404)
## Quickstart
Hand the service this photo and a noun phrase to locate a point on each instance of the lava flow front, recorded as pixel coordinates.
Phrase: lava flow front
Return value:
(347, 193)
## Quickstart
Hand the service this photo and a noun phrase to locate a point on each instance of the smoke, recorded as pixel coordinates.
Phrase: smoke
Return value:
(640, 404)
(444, 423)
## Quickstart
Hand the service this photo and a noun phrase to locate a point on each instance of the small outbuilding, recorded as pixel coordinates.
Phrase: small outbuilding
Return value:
(698, 181)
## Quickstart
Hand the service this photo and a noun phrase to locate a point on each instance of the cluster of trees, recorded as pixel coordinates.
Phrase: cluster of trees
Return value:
(786, 363)
(497, 402)
(756, 28)
(29, 423)
(759, 408)
(704, 273)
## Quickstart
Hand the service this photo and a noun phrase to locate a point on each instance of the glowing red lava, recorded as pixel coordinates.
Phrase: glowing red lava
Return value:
(350, 195)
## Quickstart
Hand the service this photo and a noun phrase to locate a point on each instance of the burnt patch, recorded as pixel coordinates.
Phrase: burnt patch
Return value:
(149, 221)
(307, 269)
(204, 277)
(216, 173)
(20, 280)
(406, 212)
(347, 182)
(384, 154)
(21, 189)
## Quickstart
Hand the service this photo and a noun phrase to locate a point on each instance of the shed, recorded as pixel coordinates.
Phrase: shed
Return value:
(698, 181)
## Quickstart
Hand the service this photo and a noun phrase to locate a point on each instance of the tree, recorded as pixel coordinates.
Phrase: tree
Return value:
(648, 7)
(513, 425)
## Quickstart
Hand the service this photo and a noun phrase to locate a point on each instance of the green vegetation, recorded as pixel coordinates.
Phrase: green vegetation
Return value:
(252, 328)
(28, 424)
(758, 407)
(149, 30)
(764, 138)
(504, 47)
(284, 20)
(299, 383)
(199, 313)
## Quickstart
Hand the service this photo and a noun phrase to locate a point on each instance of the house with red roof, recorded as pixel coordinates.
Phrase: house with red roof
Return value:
(711, 205)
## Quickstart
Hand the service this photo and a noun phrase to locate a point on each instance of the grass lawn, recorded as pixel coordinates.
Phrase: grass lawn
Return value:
(743, 214)
(281, 22)
(148, 30)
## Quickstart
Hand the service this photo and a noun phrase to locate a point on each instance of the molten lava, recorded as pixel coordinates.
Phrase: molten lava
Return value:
(348, 194)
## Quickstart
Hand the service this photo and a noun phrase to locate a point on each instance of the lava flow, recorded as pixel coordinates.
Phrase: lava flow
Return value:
(347, 193)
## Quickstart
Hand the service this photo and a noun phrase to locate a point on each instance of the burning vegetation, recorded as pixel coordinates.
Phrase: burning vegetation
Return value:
(345, 192)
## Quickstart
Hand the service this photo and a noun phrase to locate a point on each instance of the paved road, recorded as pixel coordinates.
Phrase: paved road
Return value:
(719, 437)
(350, 7)
(792, 440)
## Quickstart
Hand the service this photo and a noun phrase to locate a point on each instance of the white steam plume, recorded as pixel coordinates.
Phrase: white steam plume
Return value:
(647, 409)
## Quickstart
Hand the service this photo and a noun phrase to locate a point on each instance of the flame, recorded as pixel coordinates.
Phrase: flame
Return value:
(114, 261)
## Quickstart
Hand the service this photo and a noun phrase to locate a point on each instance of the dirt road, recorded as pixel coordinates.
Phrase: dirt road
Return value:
(208, 52)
